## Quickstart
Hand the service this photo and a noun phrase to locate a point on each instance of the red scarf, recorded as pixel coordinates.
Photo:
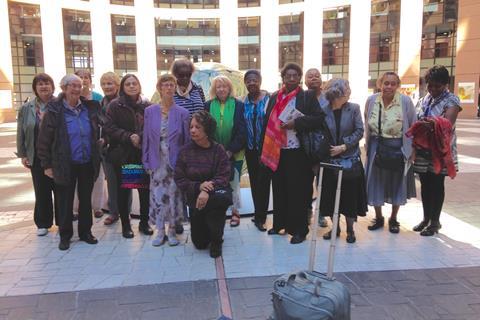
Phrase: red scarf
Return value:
(275, 137)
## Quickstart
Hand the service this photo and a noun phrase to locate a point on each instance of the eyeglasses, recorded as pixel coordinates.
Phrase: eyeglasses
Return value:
(168, 85)
(75, 86)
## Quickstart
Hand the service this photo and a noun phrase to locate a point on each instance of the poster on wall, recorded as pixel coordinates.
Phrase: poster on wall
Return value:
(409, 90)
(466, 91)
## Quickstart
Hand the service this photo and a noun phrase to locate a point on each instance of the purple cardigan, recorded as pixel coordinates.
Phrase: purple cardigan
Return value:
(178, 135)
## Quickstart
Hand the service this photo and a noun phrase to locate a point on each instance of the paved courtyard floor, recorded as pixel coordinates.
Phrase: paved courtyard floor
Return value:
(402, 276)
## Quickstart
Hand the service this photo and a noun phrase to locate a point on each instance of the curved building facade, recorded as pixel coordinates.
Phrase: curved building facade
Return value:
(354, 39)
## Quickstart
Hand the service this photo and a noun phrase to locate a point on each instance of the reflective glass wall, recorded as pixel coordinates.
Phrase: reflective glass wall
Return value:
(336, 43)
(291, 39)
(27, 50)
(384, 39)
(124, 44)
(249, 43)
(196, 39)
(186, 4)
(77, 34)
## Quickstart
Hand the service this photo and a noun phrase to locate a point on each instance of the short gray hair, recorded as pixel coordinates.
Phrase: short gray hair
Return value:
(336, 88)
(66, 80)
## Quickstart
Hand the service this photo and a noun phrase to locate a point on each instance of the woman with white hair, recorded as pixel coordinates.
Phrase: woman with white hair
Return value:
(231, 133)
(67, 148)
(345, 125)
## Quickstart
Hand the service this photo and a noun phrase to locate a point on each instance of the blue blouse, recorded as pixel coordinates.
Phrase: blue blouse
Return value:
(254, 118)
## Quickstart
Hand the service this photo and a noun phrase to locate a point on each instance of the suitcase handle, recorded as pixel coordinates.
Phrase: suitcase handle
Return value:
(303, 276)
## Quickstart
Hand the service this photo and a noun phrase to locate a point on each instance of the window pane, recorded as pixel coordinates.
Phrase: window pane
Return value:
(336, 42)
(124, 44)
(249, 43)
(187, 4)
(78, 40)
(291, 39)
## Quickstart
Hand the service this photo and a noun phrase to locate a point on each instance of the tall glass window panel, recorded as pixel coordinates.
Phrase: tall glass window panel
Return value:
(123, 2)
(195, 39)
(124, 44)
(27, 49)
(439, 35)
(248, 3)
(336, 43)
(249, 43)
(77, 33)
(291, 39)
(384, 38)
(186, 4)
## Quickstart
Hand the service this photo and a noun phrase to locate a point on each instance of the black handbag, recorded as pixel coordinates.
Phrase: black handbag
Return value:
(220, 198)
(387, 157)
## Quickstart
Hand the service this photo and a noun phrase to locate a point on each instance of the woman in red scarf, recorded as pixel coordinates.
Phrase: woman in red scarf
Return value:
(283, 155)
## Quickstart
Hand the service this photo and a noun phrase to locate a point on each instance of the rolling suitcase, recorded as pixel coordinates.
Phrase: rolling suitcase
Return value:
(309, 294)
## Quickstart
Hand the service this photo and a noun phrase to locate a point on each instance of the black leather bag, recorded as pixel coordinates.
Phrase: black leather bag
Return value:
(387, 156)
(220, 198)
(316, 144)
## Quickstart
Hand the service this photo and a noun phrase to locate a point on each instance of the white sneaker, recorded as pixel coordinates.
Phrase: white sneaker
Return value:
(42, 232)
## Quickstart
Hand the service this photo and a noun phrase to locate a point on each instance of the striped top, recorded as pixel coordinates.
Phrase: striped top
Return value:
(436, 107)
(254, 118)
(194, 101)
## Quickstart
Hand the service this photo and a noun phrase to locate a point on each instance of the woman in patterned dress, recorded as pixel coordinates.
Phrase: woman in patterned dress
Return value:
(165, 131)
(439, 102)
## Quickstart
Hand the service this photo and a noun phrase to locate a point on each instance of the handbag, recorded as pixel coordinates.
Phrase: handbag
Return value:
(220, 198)
(134, 176)
(316, 144)
(387, 157)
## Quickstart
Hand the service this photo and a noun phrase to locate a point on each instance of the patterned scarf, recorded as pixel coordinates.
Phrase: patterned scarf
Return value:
(275, 137)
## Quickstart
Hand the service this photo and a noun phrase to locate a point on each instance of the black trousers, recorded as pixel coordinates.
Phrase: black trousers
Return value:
(123, 201)
(44, 188)
(292, 189)
(206, 226)
(260, 178)
(82, 175)
(433, 194)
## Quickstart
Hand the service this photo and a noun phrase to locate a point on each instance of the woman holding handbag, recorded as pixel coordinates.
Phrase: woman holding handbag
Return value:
(231, 132)
(164, 133)
(344, 121)
(388, 116)
(124, 128)
(202, 172)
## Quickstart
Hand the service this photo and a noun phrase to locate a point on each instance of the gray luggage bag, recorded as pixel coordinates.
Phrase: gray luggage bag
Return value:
(309, 295)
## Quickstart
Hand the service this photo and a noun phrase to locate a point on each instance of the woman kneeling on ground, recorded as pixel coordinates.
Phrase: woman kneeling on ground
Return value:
(202, 172)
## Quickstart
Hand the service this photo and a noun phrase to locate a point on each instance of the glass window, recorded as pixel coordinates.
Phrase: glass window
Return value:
(124, 44)
(77, 35)
(249, 43)
(288, 1)
(27, 49)
(336, 42)
(291, 39)
(195, 39)
(123, 2)
(248, 3)
(384, 38)
(439, 35)
(186, 4)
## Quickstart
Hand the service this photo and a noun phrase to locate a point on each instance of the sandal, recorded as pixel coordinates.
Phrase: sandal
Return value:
(111, 219)
(235, 219)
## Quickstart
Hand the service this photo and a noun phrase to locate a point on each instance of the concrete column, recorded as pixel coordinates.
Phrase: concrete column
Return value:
(146, 46)
(359, 50)
(411, 23)
(467, 68)
(53, 41)
(312, 35)
(269, 44)
(229, 33)
(101, 40)
(6, 70)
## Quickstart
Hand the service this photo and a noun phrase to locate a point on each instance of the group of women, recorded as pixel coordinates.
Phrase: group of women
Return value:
(192, 151)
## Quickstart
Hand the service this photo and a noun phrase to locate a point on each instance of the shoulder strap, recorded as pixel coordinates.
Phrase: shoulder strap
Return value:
(379, 120)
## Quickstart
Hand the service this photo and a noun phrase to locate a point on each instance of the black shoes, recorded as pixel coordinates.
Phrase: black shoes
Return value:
(260, 226)
(297, 239)
(144, 228)
(215, 250)
(127, 232)
(89, 238)
(393, 226)
(179, 228)
(64, 244)
(431, 229)
(273, 231)
(328, 235)
(351, 237)
(422, 225)
(377, 224)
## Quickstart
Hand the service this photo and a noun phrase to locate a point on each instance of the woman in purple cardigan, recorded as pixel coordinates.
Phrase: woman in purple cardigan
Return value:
(165, 131)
